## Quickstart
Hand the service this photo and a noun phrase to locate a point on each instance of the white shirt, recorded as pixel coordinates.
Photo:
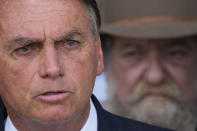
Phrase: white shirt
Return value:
(9, 126)
(90, 125)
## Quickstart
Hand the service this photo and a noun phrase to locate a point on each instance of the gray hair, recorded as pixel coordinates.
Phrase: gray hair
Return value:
(94, 16)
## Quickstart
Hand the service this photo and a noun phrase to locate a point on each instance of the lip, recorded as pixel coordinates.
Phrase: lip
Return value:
(53, 96)
(157, 97)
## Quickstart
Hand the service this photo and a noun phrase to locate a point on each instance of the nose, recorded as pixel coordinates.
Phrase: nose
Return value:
(154, 74)
(50, 67)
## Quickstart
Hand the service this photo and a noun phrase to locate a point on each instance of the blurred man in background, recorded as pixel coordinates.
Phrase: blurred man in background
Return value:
(150, 51)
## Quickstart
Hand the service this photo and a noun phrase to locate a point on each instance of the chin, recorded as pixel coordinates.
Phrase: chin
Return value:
(53, 115)
(154, 108)
(53, 118)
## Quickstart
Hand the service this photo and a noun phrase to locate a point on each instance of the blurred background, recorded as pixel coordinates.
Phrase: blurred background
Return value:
(100, 88)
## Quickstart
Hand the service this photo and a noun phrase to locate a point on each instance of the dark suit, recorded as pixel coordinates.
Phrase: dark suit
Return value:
(3, 115)
(106, 121)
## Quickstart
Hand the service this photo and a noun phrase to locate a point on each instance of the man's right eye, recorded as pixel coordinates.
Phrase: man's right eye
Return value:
(131, 53)
(24, 50)
(71, 42)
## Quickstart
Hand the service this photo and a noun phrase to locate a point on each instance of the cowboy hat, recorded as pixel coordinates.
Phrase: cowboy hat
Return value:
(149, 18)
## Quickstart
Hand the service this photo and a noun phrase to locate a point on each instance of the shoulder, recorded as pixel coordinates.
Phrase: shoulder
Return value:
(110, 122)
(3, 114)
(123, 124)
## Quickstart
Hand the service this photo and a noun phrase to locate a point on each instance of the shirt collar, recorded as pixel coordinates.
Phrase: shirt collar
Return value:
(90, 125)
(9, 126)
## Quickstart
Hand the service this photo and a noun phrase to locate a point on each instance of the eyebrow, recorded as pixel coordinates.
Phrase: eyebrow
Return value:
(180, 43)
(133, 44)
(70, 35)
(129, 45)
(25, 40)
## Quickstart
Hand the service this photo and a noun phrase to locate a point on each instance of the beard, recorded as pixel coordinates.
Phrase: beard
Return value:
(162, 105)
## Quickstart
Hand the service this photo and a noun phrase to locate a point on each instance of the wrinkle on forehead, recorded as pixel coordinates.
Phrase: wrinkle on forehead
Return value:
(1, 28)
(21, 7)
(40, 11)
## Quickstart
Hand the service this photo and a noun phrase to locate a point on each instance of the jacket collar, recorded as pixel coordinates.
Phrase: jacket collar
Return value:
(3, 114)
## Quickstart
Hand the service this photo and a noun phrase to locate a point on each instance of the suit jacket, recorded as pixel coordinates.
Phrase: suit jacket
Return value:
(106, 120)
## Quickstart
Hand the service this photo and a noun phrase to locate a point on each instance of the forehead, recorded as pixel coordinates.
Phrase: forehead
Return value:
(186, 42)
(27, 7)
(42, 17)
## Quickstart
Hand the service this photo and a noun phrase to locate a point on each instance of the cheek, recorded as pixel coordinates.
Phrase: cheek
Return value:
(13, 86)
(13, 94)
(125, 78)
(81, 70)
(189, 85)
(186, 79)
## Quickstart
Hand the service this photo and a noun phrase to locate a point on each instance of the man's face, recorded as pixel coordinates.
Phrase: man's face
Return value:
(48, 59)
(153, 79)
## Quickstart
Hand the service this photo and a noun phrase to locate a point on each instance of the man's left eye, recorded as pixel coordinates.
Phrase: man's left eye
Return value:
(177, 53)
(25, 49)
(71, 42)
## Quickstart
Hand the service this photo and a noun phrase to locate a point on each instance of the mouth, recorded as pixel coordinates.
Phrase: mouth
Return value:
(158, 97)
(53, 96)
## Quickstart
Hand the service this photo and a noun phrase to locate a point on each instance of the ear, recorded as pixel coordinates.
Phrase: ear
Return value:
(100, 65)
